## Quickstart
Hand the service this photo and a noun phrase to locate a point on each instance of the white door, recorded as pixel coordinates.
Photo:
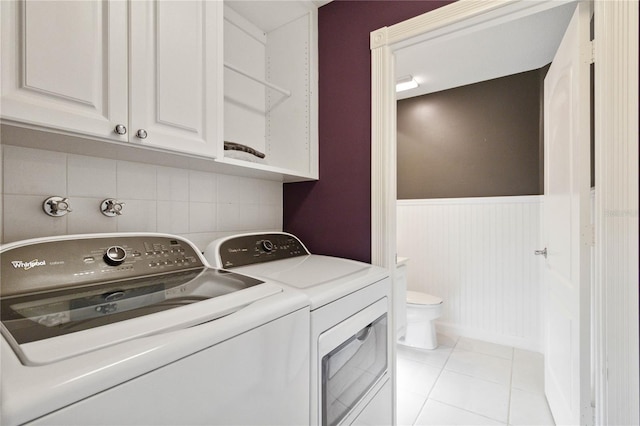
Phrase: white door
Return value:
(176, 75)
(567, 225)
(64, 65)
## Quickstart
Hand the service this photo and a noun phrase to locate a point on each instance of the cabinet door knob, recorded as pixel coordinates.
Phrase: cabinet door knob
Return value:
(120, 129)
(142, 134)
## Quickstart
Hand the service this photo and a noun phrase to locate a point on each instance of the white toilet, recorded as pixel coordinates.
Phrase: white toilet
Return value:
(422, 310)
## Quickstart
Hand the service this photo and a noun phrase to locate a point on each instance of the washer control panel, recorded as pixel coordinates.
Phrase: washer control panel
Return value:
(71, 262)
(249, 249)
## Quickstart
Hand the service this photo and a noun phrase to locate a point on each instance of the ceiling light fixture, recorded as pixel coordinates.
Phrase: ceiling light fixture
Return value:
(406, 83)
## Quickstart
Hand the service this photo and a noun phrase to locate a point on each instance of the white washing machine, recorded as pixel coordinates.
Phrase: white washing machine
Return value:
(136, 329)
(350, 344)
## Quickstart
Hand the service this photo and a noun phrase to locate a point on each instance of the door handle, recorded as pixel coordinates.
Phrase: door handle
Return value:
(541, 252)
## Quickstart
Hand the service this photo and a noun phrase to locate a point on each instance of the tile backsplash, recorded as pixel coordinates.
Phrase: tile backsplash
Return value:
(198, 205)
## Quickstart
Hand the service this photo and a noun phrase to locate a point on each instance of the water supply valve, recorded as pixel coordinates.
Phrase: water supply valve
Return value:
(111, 207)
(56, 206)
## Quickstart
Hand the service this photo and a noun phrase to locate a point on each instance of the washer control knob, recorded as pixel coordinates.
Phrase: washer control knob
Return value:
(267, 245)
(115, 255)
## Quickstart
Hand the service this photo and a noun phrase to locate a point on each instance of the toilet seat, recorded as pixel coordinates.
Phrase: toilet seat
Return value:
(419, 298)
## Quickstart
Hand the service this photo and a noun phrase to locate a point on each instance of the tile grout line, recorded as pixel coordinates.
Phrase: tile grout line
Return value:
(507, 423)
(509, 385)
(435, 383)
(470, 412)
(513, 353)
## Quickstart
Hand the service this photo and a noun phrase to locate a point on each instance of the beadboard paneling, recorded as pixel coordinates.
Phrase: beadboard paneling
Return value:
(477, 254)
(617, 364)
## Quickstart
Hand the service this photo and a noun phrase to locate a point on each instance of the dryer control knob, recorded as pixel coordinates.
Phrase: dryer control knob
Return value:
(115, 255)
(267, 246)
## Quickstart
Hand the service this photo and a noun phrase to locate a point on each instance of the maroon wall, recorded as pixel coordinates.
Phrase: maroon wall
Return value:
(333, 215)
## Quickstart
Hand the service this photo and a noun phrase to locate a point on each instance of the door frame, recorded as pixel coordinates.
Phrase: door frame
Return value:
(616, 204)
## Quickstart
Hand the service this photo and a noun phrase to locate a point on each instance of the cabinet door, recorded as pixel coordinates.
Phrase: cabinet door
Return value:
(64, 65)
(175, 86)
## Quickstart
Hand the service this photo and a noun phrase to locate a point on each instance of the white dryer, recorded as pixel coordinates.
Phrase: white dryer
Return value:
(136, 329)
(350, 344)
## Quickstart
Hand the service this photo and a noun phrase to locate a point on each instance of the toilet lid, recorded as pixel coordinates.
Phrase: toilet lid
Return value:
(418, 298)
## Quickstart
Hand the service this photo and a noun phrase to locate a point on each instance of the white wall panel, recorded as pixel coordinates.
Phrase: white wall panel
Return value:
(477, 254)
(617, 400)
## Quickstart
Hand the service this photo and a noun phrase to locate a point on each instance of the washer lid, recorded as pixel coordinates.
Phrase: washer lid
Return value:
(67, 295)
(419, 298)
(47, 327)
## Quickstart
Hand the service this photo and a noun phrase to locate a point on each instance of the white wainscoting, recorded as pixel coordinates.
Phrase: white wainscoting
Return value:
(477, 254)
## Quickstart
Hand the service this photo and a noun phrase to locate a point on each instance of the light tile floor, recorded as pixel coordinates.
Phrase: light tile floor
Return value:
(470, 382)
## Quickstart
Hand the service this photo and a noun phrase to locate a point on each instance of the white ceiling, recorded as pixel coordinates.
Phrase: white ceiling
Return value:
(479, 54)
(271, 14)
(483, 54)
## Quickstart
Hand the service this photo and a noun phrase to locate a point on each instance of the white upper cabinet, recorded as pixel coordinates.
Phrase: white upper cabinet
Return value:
(64, 65)
(270, 87)
(175, 76)
(181, 76)
(152, 68)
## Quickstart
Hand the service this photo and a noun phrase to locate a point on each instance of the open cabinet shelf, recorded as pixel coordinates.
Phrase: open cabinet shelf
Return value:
(265, 83)
(270, 87)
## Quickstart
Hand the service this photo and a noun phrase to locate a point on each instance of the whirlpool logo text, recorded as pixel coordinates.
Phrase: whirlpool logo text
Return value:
(19, 264)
